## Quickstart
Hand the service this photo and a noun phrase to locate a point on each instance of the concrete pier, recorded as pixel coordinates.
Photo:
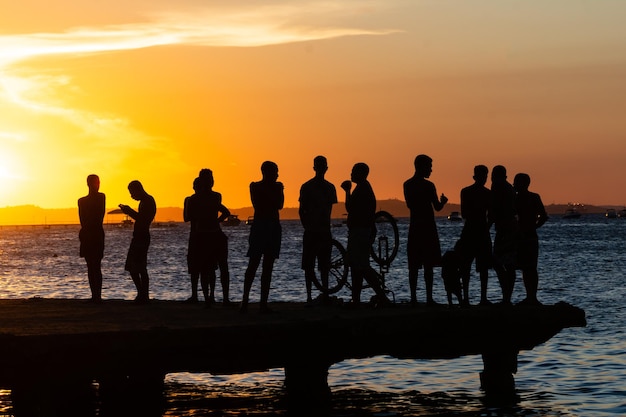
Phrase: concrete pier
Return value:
(118, 343)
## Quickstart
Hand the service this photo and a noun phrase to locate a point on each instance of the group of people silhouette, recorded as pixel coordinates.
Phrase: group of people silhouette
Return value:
(512, 209)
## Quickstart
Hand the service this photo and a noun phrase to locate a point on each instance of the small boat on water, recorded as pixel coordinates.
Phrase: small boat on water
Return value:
(250, 220)
(126, 222)
(571, 213)
(610, 214)
(232, 220)
(455, 216)
(622, 213)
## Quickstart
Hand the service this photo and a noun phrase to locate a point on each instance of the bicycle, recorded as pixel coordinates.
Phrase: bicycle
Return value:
(383, 251)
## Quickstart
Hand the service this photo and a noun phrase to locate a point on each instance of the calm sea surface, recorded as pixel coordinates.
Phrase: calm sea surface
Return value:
(579, 372)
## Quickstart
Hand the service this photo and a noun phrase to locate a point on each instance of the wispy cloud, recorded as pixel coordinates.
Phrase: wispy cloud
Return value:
(107, 139)
(260, 26)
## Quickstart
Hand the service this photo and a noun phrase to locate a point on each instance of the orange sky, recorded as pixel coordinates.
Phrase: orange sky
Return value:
(156, 90)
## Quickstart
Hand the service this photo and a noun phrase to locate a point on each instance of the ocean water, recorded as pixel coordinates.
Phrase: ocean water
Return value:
(579, 372)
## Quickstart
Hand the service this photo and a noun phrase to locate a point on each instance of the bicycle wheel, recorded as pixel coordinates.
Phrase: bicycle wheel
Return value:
(385, 246)
(338, 274)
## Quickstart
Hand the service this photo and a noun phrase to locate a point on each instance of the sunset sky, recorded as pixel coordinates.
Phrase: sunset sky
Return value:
(155, 90)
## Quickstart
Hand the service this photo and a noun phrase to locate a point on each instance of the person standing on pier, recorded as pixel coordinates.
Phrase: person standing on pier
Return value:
(531, 215)
(475, 240)
(91, 210)
(423, 247)
(265, 233)
(208, 245)
(361, 208)
(137, 259)
(317, 197)
(205, 238)
(219, 240)
(502, 215)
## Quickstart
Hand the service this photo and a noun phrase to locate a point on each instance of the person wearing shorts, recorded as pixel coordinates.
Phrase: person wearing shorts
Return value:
(137, 258)
(317, 197)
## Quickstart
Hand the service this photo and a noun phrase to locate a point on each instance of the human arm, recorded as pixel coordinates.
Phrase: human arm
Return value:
(224, 213)
(186, 214)
(347, 186)
(438, 202)
(542, 215)
(129, 211)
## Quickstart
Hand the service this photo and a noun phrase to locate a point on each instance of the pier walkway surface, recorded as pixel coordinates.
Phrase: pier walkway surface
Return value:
(118, 342)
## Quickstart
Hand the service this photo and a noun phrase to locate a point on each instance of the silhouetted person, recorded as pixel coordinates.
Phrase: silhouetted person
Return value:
(137, 259)
(361, 208)
(475, 241)
(531, 215)
(206, 239)
(423, 248)
(219, 240)
(317, 197)
(502, 215)
(91, 210)
(265, 232)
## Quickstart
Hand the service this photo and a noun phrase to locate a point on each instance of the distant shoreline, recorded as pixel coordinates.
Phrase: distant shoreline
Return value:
(30, 215)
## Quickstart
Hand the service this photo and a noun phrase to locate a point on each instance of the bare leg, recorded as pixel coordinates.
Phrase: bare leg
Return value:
(145, 286)
(205, 280)
(225, 281)
(309, 275)
(428, 280)
(253, 265)
(531, 283)
(195, 277)
(94, 274)
(374, 281)
(484, 280)
(137, 281)
(413, 275)
(212, 282)
(266, 280)
(357, 284)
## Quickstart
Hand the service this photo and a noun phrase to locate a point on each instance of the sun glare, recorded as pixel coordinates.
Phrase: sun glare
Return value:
(9, 176)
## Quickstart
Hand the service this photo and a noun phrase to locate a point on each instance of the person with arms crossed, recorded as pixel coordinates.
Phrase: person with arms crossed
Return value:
(265, 233)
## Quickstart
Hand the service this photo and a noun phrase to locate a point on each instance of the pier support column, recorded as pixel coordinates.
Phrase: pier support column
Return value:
(497, 377)
(306, 381)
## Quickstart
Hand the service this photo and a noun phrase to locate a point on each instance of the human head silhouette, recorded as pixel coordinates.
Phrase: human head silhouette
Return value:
(521, 182)
(423, 165)
(320, 164)
(269, 170)
(498, 173)
(93, 182)
(360, 171)
(481, 173)
(136, 190)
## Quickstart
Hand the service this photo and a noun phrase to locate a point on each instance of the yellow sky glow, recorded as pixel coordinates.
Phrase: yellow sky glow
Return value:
(155, 91)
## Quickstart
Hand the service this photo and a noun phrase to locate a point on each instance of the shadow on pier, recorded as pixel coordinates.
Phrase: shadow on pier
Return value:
(127, 349)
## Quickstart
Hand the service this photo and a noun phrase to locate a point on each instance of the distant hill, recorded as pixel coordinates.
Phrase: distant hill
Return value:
(34, 215)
